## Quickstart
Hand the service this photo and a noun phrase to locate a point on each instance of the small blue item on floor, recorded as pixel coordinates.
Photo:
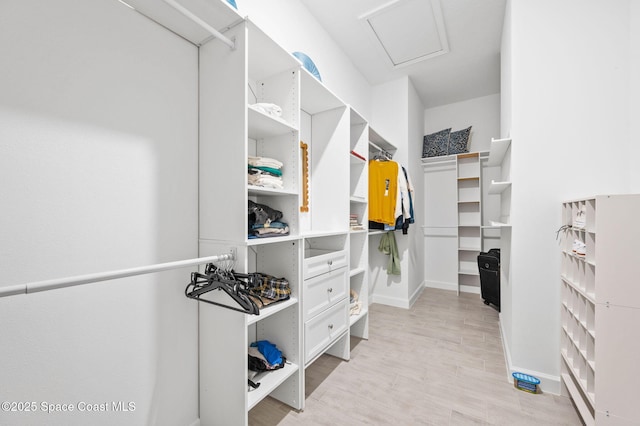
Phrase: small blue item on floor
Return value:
(525, 382)
(308, 64)
(232, 3)
(270, 352)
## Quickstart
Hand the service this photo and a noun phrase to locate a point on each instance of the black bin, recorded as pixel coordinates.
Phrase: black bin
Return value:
(489, 268)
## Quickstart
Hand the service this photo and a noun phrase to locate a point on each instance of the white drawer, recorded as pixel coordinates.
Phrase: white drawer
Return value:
(322, 330)
(323, 291)
(320, 264)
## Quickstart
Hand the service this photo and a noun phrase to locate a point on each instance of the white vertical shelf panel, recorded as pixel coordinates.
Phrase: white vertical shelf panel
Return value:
(223, 135)
(359, 240)
(616, 243)
(617, 361)
(497, 151)
(329, 171)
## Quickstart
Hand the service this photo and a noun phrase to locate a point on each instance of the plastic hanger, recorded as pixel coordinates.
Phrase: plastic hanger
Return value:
(217, 279)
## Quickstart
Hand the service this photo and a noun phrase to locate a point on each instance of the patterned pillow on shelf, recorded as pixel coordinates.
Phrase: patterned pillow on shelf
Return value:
(459, 141)
(436, 144)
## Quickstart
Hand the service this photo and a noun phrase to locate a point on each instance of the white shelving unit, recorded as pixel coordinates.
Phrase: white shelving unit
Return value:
(599, 304)
(231, 129)
(358, 236)
(469, 198)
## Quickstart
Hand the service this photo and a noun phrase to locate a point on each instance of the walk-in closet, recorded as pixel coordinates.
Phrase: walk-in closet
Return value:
(239, 212)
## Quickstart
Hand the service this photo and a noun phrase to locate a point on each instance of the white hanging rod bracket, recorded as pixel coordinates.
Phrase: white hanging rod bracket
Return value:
(111, 275)
(217, 34)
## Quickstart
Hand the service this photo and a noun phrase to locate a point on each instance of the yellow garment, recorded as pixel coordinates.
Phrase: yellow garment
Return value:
(383, 190)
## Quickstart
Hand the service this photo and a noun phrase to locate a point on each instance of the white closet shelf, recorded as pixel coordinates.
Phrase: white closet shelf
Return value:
(469, 249)
(261, 190)
(469, 202)
(316, 234)
(356, 199)
(468, 272)
(271, 240)
(356, 271)
(355, 318)
(269, 381)
(462, 178)
(317, 97)
(498, 187)
(263, 125)
(496, 225)
(497, 151)
(219, 15)
(444, 159)
(269, 310)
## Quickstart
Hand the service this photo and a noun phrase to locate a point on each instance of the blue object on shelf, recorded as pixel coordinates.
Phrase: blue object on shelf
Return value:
(525, 382)
(233, 3)
(308, 64)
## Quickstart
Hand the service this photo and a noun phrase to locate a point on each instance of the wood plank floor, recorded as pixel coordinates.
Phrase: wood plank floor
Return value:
(438, 363)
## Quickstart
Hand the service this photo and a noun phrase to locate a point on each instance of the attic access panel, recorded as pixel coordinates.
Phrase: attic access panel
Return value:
(408, 31)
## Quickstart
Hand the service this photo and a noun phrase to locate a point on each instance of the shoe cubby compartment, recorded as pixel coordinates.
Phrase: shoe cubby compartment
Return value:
(468, 166)
(469, 238)
(469, 214)
(469, 190)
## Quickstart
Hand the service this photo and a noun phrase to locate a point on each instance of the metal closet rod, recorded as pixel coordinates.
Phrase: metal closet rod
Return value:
(110, 275)
(186, 12)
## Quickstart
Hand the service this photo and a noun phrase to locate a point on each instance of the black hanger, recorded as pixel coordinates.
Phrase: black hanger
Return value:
(382, 155)
(217, 279)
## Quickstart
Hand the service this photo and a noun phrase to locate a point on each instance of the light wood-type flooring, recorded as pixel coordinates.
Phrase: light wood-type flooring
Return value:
(439, 363)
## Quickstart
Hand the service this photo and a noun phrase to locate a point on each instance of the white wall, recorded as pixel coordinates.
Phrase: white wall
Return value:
(389, 119)
(397, 116)
(482, 113)
(414, 163)
(569, 103)
(98, 164)
(634, 93)
(290, 24)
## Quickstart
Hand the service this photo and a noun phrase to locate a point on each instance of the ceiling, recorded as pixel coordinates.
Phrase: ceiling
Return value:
(388, 39)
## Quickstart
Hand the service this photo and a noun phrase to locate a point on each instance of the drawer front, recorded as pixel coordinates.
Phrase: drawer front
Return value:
(322, 330)
(314, 266)
(324, 291)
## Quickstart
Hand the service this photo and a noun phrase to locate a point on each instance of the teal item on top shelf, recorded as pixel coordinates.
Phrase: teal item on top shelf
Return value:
(308, 64)
(233, 3)
(525, 382)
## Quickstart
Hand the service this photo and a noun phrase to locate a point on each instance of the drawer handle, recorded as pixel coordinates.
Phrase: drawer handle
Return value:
(330, 262)
(330, 326)
(330, 289)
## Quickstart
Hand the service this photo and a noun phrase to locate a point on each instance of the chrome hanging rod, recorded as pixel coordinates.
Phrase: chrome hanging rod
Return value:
(110, 275)
(186, 12)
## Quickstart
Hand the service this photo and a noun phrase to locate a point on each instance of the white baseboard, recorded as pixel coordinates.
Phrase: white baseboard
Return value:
(548, 383)
(396, 302)
(505, 350)
(441, 285)
(470, 289)
(196, 423)
(416, 294)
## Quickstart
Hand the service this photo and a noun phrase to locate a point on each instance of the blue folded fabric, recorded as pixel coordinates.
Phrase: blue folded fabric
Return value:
(270, 352)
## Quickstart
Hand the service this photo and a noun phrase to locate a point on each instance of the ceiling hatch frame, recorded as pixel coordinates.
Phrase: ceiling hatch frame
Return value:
(384, 23)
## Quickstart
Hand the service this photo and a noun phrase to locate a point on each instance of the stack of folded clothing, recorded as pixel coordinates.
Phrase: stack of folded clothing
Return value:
(272, 229)
(267, 108)
(354, 304)
(264, 171)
